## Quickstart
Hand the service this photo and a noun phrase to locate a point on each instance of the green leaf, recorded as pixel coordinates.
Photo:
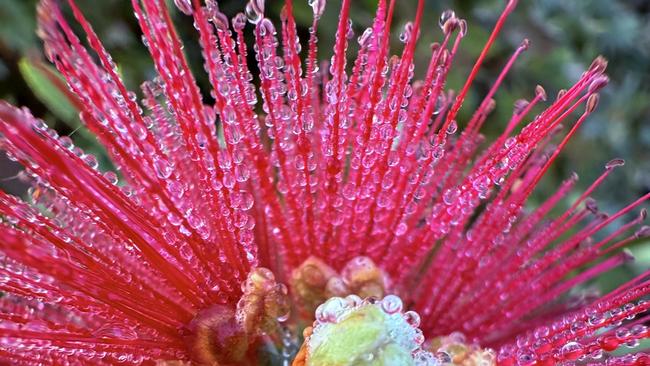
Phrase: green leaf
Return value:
(50, 88)
(47, 92)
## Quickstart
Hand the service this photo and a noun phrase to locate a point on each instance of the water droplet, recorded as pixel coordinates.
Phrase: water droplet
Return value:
(115, 331)
(446, 16)
(401, 229)
(238, 23)
(452, 128)
(91, 161)
(266, 27)
(254, 11)
(111, 177)
(318, 6)
(354, 300)
(412, 318)
(330, 310)
(66, 142)
(448, 21)
(163, 168)
(219, 19)
(407, 33)
(526, 357)
(391, 304)
(365, 37)
(571, 350)
(423, 358)
(443, 357)
(450, 196)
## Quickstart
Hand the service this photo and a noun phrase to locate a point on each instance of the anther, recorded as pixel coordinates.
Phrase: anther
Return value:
(614, 163)
(592, 102)
(539, 90)
(598, 84)
(598, 65)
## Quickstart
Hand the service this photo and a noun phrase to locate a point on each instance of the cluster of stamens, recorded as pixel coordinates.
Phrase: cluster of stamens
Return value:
(313, 282)
(300, 167)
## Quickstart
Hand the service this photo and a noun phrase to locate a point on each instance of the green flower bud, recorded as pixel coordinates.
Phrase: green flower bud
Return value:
(354, 332)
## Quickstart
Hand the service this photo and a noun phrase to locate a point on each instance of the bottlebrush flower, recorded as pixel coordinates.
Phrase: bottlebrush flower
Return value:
(342, 181)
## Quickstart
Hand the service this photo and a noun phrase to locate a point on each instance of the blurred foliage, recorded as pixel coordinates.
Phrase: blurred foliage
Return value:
(565, 37)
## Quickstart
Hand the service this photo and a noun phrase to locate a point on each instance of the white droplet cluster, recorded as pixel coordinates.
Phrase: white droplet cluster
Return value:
(401, 328)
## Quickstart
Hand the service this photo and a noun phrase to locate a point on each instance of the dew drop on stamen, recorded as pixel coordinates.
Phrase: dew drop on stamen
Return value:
(391, 304)
(211, 5)
(401, 229)
(66, 142)
(443, 358)
(115, 331)
(220, 20)
(266, 27)
(448, 22)
(318, 7)
(445, 16)
(407, 33)
(643, 214)
(238, 22)
(91, 161)
(424, 359)
(254, 11)
(163, 168)
(572, 350)
(111, 177)
(365, 37)
(412, 318)
(330, 310)
(452, 128)
(451, 195)
(350, 32)
(526, 357)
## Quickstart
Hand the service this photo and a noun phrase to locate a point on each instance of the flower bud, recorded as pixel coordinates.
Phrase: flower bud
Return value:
(348, 331)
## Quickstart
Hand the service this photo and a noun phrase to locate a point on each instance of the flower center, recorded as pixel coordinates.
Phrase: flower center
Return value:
(351, 326)
(313, 282)
(354, 332)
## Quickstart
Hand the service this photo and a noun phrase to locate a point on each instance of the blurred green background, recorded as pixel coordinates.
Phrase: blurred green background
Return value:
(565, 37)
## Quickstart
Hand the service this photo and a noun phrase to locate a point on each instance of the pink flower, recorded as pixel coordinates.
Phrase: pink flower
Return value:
(334, 178)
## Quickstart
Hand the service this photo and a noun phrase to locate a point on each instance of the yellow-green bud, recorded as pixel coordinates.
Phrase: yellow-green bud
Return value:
(354, 332)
